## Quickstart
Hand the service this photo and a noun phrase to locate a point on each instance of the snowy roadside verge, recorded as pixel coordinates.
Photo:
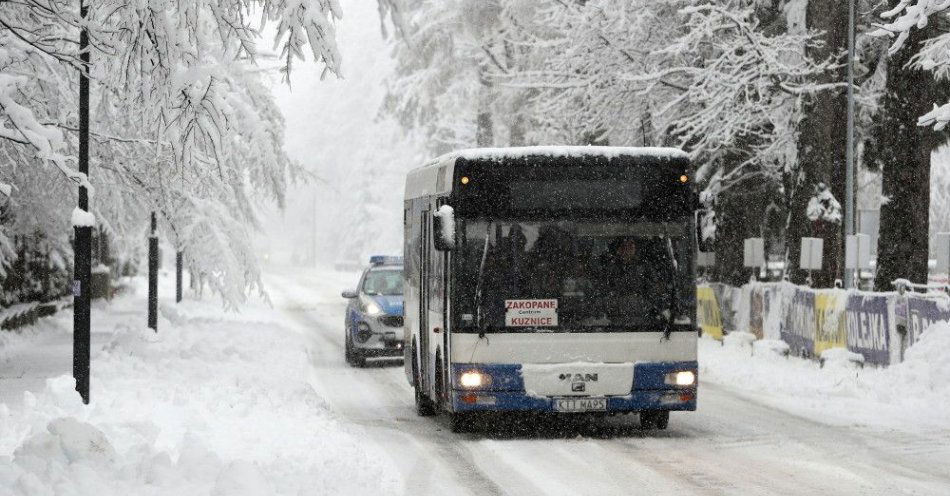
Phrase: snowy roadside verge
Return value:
(911, 396)
(214, 403)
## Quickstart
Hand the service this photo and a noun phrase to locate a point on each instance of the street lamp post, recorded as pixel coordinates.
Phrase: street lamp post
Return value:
(849, 156)
(83, 231)
(153, 274)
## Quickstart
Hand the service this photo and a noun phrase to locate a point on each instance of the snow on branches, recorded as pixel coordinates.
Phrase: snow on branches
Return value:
(932, 55)
(438, 77)
(731, 83)
(182, 122)
(701, 75)
(823, 206)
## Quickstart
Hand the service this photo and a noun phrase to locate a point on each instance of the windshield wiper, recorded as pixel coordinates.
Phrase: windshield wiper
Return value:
(478, 283)
(674, 300)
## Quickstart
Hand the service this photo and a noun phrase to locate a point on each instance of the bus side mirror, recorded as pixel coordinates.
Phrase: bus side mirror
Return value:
(443, 228)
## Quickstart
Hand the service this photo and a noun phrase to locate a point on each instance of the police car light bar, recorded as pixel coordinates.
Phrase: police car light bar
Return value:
(385, 260)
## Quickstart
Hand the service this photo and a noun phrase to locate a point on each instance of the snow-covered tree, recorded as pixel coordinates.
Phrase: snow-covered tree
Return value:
(908, 130)
(182, 122)
(439, 85)
(706, 76)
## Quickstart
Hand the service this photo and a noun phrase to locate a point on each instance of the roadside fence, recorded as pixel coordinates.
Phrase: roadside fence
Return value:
(877, 326)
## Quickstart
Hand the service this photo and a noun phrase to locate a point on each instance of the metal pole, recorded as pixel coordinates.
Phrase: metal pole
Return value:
(179, 268)
(153, 277)
(83, 234)
(849, 182)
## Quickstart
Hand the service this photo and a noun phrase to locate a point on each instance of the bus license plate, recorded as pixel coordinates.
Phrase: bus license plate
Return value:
(580, 404)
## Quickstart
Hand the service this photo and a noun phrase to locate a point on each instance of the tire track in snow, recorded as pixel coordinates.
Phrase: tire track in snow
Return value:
(437, 450)
(732, 445)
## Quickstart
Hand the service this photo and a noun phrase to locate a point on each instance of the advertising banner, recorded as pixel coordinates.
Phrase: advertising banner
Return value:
(772, 312)
(921, 312)
(868, 325)
(757, 312)
(725, 295)
(798, 330)
(707, 311)
(830, 330)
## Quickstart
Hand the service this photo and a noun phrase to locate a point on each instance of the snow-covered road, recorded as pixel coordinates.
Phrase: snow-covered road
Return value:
(733, 444)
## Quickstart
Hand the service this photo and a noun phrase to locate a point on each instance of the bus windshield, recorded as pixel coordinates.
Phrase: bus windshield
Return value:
(570, 276)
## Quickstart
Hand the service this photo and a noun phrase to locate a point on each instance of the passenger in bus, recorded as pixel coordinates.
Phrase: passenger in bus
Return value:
(638, 276)
(505, 272)
(552, 254)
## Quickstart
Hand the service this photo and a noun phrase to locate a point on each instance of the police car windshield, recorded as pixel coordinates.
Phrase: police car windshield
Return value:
(550, 276)
(386, 282)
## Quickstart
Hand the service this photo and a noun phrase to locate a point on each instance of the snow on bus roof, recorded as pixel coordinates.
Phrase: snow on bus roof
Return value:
(435, 175)
(565, 151)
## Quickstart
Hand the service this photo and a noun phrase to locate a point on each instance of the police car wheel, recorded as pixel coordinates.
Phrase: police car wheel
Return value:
(348, 349)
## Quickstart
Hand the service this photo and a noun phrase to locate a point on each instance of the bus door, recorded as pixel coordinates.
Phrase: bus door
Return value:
(439, 302)
(424, 255)
(436, 317)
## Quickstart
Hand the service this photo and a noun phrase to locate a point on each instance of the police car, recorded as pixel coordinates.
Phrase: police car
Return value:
(374, 313)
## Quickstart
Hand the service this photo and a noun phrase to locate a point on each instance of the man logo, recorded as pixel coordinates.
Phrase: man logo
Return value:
(578, 387)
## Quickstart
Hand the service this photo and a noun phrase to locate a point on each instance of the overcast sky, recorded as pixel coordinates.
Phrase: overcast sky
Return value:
(332, 130)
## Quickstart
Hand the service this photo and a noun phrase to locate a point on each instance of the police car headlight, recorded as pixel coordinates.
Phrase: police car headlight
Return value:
(681, 378)
(474, 379)
(373, 309)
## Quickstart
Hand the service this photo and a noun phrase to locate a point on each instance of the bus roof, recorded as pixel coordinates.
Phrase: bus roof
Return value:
(435, 177)
(567, 151)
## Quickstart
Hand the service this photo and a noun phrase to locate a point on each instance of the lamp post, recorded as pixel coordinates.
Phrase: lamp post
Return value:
(82, 231)
(153, 274)
(849, 156)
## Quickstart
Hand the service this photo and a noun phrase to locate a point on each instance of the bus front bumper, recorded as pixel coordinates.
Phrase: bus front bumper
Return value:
(506, 391)
(637, 401)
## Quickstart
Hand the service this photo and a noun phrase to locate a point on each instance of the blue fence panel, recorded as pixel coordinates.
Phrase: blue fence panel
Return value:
(868, 327)
(922, 313)
(798, 330)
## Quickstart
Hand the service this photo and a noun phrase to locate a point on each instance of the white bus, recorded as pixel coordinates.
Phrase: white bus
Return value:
(551, 279)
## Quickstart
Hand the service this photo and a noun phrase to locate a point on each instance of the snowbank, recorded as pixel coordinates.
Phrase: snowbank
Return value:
(840, 357)
(911, 395)
(770, 346)
(211, 404)
(738, 339)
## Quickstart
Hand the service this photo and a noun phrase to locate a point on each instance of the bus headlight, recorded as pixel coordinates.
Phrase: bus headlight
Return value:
(681, 378)
(473, 379)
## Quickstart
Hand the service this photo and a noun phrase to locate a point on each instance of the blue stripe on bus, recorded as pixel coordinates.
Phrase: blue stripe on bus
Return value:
(519, 401)
(506, 391)
(504, 376)
(652, 375)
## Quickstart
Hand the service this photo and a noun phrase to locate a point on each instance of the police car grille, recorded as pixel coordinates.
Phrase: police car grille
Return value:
(391, 320)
